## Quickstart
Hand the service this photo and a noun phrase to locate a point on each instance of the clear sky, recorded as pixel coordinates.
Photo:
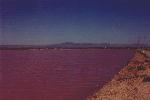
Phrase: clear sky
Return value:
(81, 21)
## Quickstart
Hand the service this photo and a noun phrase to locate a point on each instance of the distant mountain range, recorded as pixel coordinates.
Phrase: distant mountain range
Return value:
(70, 45)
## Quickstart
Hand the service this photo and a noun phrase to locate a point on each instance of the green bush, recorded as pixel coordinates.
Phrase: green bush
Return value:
(146, 79)
(130, 68)
(140, 68)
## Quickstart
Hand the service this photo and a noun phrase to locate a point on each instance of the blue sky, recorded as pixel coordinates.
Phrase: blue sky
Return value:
(82, 21)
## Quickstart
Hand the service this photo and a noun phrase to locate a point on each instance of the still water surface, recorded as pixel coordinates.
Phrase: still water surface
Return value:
(57, 74)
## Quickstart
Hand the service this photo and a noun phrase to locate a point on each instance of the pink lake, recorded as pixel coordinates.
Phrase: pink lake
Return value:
(71, 74)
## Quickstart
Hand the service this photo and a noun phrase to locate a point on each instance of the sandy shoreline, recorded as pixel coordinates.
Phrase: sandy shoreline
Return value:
(131, 83)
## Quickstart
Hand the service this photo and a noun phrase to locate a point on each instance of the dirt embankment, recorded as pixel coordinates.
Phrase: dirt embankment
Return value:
(131, 83)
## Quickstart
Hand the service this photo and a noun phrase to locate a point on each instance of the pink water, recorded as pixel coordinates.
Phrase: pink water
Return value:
(57, 74)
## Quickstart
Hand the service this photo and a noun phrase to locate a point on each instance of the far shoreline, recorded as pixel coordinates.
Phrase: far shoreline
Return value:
(69, 48)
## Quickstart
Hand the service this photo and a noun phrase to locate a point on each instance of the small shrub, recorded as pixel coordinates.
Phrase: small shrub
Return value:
(130, 68)
(147, 60)
(146, 79)
(140, 68)
(141, 76)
